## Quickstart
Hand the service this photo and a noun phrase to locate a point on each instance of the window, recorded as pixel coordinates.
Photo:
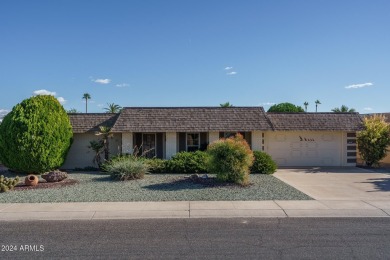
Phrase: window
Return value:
(229, 134)
(193, 142)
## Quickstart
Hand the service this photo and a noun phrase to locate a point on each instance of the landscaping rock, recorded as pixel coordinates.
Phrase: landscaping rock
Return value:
(55, 176)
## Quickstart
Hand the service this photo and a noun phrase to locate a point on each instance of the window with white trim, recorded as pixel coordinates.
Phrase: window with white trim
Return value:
(193, 142)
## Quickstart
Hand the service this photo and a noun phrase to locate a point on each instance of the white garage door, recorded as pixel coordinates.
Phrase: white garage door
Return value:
(305, 148)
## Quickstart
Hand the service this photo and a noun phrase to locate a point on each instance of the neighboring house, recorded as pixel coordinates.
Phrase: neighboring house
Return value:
(292, 139)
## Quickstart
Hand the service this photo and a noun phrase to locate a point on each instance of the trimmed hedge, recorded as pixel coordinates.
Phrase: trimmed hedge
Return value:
(35, 136)
(157, 165)
(263, 163)
(187, 162)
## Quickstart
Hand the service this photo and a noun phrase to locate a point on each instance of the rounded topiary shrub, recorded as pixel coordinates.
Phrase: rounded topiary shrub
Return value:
(263, 163)
(230, 159)
(35, 136)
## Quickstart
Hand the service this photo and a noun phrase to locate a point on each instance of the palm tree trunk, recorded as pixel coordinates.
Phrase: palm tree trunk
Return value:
(86, 105)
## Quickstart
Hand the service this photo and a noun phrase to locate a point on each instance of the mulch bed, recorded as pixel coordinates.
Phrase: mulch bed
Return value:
(46, 185)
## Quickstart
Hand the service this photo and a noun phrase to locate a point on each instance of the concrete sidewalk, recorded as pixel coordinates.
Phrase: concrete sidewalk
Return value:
(193, 209)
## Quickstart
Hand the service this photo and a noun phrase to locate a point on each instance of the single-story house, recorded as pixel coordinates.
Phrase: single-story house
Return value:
(292, 139)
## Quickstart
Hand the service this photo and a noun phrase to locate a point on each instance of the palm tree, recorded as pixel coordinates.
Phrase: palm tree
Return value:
(105, 132)
(86, 96)
(343, 109)
(113, 108)
(306, 104)
(317, 103)
(98, 148)
(226, 104)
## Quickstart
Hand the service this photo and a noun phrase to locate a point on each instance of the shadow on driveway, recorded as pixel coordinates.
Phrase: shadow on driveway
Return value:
(380, 184)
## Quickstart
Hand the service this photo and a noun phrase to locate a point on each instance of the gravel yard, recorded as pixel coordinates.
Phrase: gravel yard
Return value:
(96, 187)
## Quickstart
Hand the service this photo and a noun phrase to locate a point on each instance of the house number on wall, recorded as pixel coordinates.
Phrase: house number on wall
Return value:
(304, 139)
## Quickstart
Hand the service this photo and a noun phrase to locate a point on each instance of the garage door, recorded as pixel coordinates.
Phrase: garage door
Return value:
(305, 148)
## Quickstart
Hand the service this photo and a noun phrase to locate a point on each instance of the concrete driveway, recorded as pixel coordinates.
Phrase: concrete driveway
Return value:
(347, 183)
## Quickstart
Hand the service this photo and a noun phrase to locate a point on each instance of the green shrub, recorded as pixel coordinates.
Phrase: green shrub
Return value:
(35, 136)
(374, 139)
(188, 162)
(263, 163)
(7, 184)
(157, 165)
(285, 107)
(230, 159)
(126, 168)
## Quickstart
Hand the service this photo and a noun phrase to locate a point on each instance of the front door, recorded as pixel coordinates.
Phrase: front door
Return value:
(149, 145)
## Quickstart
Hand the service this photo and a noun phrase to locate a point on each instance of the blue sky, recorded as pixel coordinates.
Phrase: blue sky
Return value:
(197, 53)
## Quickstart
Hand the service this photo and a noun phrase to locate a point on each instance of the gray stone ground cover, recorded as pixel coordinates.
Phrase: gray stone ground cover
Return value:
(97, 187)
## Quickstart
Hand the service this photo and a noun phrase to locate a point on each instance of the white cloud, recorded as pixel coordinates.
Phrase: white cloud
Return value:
(368, 109)
(231, 73)
(102, 81)
(44, 92)
(61, 100)
(359, 85)
(122, 85)
(228, 68)
(3, 112)
(51, 93)
(100, 105)
(267, 104)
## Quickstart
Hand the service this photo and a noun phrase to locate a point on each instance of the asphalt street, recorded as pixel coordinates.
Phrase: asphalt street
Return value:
(239, 238)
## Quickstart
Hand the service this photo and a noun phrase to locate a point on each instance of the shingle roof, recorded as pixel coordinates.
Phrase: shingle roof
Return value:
(186, 119)
(316, 121)
(90, 122)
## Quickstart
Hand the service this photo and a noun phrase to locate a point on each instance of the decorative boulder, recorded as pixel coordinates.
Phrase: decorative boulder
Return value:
(55, 176)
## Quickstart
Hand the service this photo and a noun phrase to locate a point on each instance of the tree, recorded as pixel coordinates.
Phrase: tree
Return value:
(374, 139)
(35, 136)
(86, 96)
(285, 107)
(113, 108)
(98, 148)
(317, 103)
(226, 104)
(306, 104)
(73, 110)
(105, 132)
(343, 109)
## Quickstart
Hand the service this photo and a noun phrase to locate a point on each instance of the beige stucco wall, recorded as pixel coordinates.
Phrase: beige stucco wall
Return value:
(386, 161)
(127, 143)
(81, 156)
(213, 136)
(257, 140)
(170, 144)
